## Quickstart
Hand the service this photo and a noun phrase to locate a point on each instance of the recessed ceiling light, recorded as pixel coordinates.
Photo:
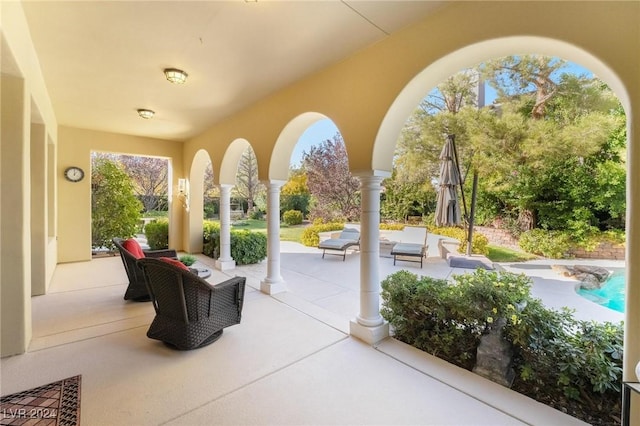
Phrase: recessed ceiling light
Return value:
(175, 75)
(145, 113)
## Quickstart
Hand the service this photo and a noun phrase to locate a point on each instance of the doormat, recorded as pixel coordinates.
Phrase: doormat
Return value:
(54, 404)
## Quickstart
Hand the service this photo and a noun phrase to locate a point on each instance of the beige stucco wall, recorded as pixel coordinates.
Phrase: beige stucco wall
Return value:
(74, 199)
(24, 106)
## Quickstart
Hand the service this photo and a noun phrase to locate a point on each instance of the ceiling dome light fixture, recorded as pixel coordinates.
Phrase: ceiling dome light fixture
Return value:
(175, 75)
(146, 113)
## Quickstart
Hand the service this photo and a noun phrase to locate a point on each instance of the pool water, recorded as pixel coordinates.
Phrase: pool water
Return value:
(610, 295)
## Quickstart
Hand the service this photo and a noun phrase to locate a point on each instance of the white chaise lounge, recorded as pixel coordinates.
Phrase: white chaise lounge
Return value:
(338, 246)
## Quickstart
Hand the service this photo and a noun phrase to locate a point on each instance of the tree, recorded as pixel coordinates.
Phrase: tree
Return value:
(247, 184)
(528, 74)
(550, 153)
(330, 182)
(295, 192)
(211, 194)
(115, 209)
(150, 177)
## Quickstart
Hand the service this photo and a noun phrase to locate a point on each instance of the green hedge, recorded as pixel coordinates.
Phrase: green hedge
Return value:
(157, 234)
(553, 244)
(246, 247)
(560, 361)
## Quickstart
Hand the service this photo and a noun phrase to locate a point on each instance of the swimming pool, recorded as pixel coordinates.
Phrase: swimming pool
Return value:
(610, 295)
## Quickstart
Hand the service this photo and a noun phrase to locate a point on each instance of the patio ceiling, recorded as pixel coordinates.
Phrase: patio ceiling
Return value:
(102, 61)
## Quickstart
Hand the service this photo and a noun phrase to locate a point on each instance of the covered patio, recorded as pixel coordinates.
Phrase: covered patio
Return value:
(313, 347)
(290, 361)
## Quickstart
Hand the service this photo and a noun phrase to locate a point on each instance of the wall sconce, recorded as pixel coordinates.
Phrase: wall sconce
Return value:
(183, 193)
(175, 75)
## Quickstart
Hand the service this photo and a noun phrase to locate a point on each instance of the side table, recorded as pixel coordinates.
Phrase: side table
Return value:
(627, 387)
(201, 272)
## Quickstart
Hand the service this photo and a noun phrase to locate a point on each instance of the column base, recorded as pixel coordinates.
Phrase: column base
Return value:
(225, 265)
(370, 335)
(272, 287)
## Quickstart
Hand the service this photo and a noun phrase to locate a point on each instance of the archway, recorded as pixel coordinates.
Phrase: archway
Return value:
(194, 205)
(466, 57)
(473, 54)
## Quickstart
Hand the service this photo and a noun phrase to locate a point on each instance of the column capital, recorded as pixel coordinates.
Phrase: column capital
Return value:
(370, 183)
(273, 183)
(371, 173)
(225, 185)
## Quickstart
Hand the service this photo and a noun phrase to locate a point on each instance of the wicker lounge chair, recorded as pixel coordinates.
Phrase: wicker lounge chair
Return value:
(348, 238)
(130, 252)
(190, 312)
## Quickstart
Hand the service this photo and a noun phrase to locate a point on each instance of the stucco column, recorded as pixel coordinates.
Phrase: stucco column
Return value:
(225, 261)
(632, 289)
(369, 324)
(39, 209)
(15, 217)
(273, 282)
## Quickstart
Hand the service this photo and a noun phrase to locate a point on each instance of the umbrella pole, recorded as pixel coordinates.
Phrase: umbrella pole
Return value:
(474, 192)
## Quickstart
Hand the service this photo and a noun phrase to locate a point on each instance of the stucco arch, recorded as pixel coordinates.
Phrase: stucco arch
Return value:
(230, 160)
(438, 71)
(287, 140)
(195, 189)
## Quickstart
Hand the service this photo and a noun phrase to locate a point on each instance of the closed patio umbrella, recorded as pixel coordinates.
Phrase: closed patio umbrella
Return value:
(447, 205)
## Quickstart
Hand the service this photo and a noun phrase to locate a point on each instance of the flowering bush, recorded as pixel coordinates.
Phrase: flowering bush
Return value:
(292, 217)
(310, 235)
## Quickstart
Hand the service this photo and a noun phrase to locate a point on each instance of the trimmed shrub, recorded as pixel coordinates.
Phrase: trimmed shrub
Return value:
(552, 244)
(574, 366)
(256, 215)
(157, 234)
(292, 217)
(246, 247)
(310, 237)
(211, 239)
(479, 243)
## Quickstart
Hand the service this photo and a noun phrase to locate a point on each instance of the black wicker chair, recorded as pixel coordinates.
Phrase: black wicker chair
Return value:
(190, 312)
(137, 289)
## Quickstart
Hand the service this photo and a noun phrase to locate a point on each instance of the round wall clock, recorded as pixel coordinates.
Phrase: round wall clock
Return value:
(74, 174)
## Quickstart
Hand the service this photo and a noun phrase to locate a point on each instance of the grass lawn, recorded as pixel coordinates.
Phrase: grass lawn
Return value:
(287, 233)
(294, 233)
(503, 254)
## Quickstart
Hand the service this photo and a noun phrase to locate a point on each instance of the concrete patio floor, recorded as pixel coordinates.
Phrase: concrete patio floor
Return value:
(290, 361)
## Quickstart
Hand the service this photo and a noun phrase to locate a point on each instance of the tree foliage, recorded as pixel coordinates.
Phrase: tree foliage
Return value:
(115, 210)
(247, 185)
(295, 193)
(150, 177)
(333, 187)
(550, 152)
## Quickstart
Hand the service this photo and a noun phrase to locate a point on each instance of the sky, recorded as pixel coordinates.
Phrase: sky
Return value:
(326, 129)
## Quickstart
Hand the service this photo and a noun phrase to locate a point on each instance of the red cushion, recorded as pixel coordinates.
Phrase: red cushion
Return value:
(174, 262)
(133, 247)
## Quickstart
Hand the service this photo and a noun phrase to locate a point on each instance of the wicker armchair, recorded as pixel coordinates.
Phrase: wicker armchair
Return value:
(137, 289)
(190, 312)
